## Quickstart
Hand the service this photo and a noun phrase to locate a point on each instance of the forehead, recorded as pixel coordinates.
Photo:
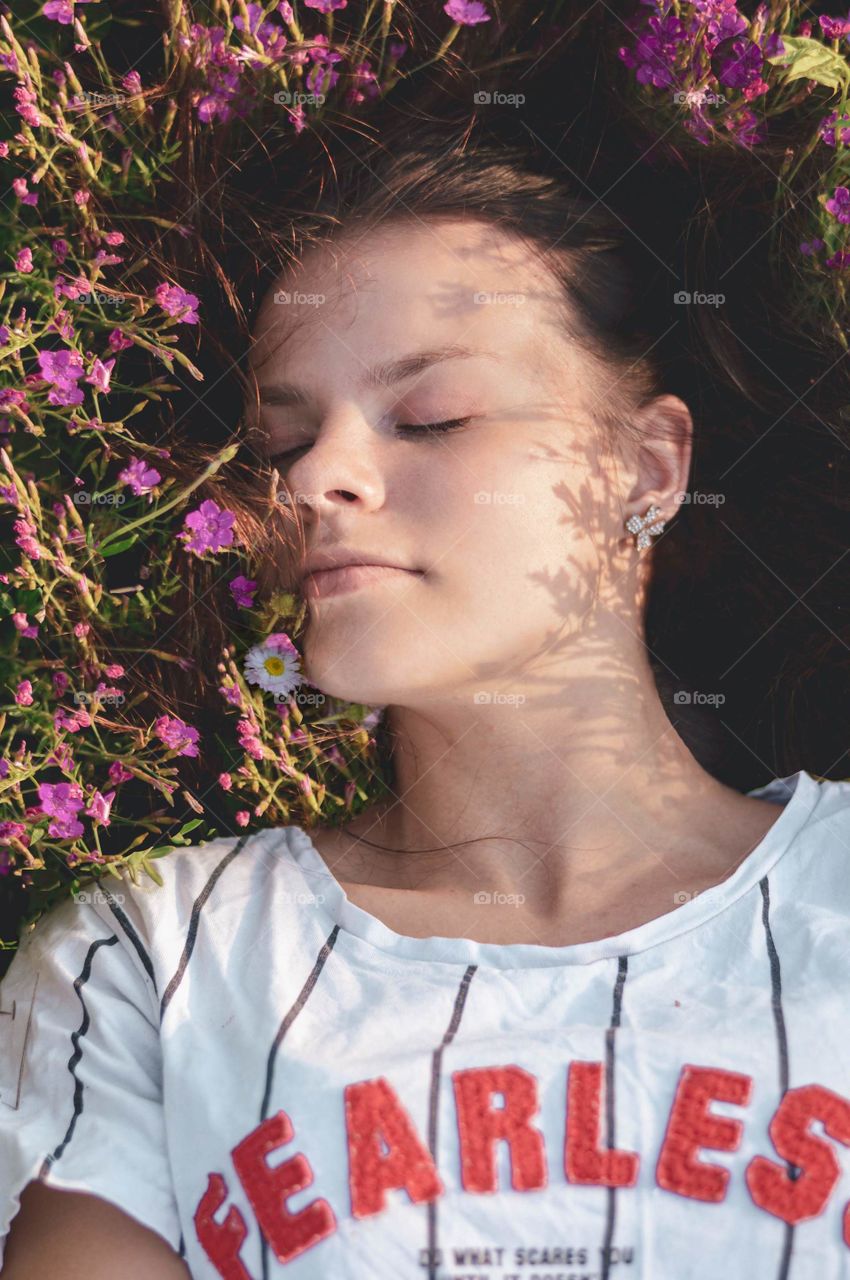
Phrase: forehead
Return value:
(408, 285)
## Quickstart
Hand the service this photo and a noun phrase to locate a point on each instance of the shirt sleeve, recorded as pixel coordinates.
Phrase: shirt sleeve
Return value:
(81, 1073)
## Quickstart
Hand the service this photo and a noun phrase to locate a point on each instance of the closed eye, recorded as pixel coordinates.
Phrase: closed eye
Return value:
(410, 429)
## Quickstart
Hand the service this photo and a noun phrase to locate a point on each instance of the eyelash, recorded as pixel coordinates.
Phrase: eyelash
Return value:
(417, 429)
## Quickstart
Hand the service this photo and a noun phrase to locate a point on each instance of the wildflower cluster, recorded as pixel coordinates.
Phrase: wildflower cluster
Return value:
(729, 75)
(98, 525)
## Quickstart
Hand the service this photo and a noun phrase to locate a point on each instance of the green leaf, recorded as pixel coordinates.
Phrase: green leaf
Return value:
(189, 826)
(29, 601)
(124, 545)
(805, 58)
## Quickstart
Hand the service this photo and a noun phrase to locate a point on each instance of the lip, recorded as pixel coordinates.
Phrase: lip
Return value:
(351, 577)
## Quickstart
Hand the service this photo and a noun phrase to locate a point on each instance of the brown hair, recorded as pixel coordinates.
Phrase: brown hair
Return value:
(747, 598)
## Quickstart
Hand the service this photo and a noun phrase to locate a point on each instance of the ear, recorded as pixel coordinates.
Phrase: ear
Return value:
(662, 457)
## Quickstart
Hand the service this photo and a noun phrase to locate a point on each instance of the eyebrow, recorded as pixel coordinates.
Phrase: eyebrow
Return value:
(380, 375)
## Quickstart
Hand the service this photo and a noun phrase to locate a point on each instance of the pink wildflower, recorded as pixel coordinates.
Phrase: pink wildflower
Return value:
(23, 693)
(177, 302)
(61, 801)
(139, 476)
(243, 589)
(177, 735)
(208, 529)
(467, 12)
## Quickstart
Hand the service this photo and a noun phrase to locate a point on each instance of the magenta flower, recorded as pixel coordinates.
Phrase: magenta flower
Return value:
(99, 806)
(243, 817)
(208, 529)
(63, 369)
(737, 62)
(828, 129)
(118, 773)
(325, 6)
(119, 341)
(139, 476)
(812, 246)
(834, 28)
(243, 590)
(72, 721)
(467, 12)
(61, 801)
(26, 538)
(177, 302)
(839, 204)
(19, 186)
(23, 693)
(25, 105)
(60, 683)
(656, 51)
(225, 781)
(23, 261)
(59, 11)
(100, 374)
(26, 629)
(177, 735)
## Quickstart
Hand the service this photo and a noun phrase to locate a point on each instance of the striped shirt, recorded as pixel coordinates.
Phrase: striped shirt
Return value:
(282, 1086)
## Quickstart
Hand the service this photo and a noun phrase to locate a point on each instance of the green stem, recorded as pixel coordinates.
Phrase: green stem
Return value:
(224, 456)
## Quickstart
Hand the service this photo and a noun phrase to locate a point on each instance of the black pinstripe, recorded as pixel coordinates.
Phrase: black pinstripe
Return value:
(433, 1105)
(288, 1019)
(782, 1045)
(200, 903)
(76, 1038)
(610, 1142)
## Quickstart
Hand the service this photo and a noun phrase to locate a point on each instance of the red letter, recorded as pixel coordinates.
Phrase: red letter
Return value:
(770, 1185)
(288, 1233)
(584, 1160)
(221, 1241)
(373, 1113)
(480, 1124)
(692, 1126)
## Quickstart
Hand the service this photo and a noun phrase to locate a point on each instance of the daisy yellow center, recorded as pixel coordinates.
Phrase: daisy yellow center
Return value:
(274, 666)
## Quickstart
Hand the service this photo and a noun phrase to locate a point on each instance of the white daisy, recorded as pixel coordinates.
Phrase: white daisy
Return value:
(274, 665)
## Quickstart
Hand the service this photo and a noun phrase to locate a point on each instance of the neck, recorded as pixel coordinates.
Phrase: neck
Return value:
(579, 781)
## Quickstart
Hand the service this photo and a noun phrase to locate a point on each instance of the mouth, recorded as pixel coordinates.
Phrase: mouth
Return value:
(353, 577)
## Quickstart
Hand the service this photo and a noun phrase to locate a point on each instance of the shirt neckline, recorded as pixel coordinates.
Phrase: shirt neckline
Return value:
(797, 794)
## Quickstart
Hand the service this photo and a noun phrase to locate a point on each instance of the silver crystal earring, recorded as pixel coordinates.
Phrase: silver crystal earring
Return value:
(645, 526)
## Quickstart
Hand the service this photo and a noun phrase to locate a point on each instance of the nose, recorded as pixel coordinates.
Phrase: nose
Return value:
(341, 468)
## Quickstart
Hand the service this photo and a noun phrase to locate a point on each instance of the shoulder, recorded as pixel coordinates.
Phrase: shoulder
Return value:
(816, 872)
(829, 819)
(224, 881)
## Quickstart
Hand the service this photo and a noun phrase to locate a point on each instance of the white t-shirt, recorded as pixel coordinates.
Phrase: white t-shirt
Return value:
(282, 1086)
